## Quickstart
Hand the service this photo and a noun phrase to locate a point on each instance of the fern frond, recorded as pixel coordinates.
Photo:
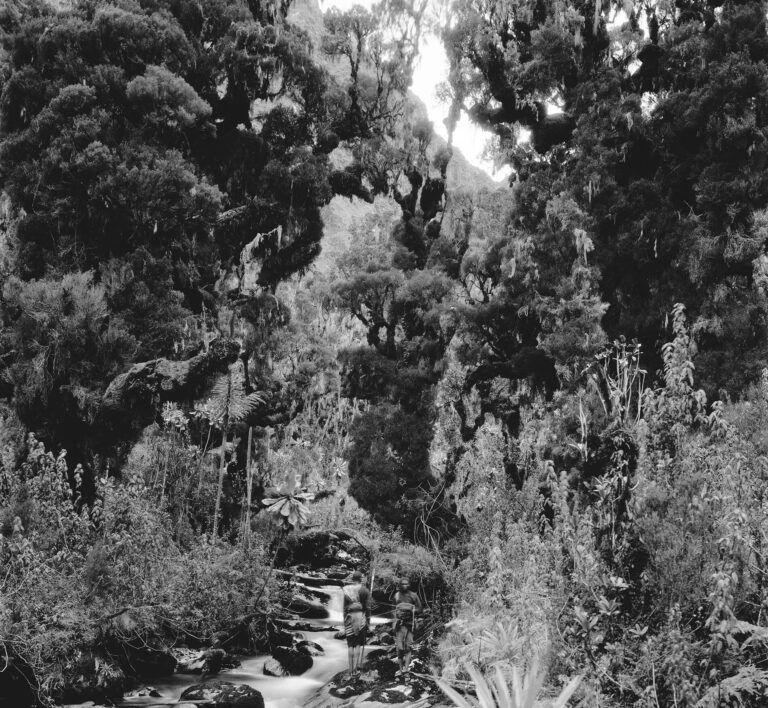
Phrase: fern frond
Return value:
(228, 399)
(744, 687)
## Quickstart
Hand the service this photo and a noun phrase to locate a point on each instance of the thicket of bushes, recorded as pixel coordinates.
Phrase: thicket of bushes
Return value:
(647, 575)
(96, 592)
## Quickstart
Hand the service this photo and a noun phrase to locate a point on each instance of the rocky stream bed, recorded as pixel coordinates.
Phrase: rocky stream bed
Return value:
(304, 662)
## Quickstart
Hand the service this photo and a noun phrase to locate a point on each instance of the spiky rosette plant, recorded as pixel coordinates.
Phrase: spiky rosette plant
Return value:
(495, 692)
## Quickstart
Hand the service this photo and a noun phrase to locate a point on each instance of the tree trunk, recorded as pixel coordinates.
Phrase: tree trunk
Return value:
(223, 462)
(165, 472)
(202, 459)
(249, 487)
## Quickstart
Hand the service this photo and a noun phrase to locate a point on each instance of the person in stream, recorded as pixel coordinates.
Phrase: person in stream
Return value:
(357, 617)
(407, 604)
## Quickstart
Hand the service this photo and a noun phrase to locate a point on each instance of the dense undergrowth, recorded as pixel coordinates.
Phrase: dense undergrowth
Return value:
(646, 576)
(94, 593)
(97, 590)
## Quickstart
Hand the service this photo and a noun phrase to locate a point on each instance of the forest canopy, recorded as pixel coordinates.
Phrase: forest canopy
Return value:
(244, 278)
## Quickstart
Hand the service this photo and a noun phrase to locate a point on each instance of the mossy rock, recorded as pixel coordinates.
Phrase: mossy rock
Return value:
(224, 695)
(293, 661)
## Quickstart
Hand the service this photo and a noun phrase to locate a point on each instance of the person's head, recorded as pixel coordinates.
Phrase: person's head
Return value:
(404, 584)
(357, 577)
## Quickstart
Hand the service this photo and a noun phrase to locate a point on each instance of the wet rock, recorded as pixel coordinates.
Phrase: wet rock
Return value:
(394, 694)
(306, 607)
(338, 575)
(293, 661)
(320, 595)
(310, 648)
(306, 626)
(147, 662)
(383, 664)
(272, 667)
(317, 578)
(376, 684)
(322, 550)
(377, 654)
(143, 692)
(279, 637)
(185, 659)
(210, 661)
(343, 691)
(224, 694)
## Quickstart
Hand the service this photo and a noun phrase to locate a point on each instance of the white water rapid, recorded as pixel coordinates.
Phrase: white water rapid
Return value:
(284, 692)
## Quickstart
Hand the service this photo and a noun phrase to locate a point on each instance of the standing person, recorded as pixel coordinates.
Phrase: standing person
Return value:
(407, 604)
(357, 617)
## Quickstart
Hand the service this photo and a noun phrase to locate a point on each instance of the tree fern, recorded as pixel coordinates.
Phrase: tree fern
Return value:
(228, 400)
(229, 403)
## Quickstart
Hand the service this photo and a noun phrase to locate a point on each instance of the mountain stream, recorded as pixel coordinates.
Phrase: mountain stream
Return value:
(282, 692)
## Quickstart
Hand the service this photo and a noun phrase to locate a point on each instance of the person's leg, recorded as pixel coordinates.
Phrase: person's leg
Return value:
(399, 645)
(361, 648)
(407, 644)
(351, 653)
(359, 657)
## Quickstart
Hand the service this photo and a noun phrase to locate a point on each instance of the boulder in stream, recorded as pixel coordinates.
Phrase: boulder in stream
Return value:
(224, 694)
(306, 626)
(143, 692)
(272, 667)
(149, 662)
(377, 685)
(310, 648)
(293, 661)
(307, 608)
(278, 636)
(210, 661)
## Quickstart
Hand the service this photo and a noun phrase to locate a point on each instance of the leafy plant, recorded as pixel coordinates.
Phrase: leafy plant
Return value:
(497, 693)
(289, 506)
